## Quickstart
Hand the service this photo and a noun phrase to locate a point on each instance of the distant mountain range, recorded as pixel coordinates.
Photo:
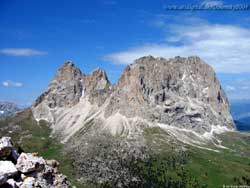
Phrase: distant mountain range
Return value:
(241, 113)
(8, 108)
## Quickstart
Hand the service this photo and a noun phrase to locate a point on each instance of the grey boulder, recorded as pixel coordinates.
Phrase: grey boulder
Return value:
(7, 169)
(28, 162)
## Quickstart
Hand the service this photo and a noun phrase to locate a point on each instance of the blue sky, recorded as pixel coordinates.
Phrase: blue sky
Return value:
(36, 37)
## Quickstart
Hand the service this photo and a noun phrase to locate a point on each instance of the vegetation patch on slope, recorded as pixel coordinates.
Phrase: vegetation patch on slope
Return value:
(29, 135)
(165, 161)
(229, 166)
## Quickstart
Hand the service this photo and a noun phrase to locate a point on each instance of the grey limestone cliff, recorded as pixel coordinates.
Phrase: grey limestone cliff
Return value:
(180, 92)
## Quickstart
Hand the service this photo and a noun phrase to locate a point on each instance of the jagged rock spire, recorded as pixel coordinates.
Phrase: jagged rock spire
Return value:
(66, 87)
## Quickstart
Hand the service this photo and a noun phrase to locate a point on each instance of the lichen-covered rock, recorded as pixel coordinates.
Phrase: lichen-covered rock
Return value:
(28, 162)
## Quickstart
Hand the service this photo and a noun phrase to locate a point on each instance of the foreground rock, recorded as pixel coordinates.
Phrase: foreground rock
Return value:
(28, 162)
(30, 170)
(7, 170)
(5, 147)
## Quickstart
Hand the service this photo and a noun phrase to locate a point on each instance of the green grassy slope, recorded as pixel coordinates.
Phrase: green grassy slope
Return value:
(218, 169)
(213, 169)
(200, 167)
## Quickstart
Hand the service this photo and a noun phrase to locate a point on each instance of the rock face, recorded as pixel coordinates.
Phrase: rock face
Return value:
(182, 93)
(30, 170)
(64, 90)
(7, 109)
(97, 86)
(66, 87)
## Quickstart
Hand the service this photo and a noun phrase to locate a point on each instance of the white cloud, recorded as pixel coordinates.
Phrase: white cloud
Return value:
(245, 87)
(9, 83)
(211, 3)
(225, 47)
(21, 52)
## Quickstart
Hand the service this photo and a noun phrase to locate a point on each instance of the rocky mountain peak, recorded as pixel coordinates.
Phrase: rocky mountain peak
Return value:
(97, 79)
(97, 86)
(99, 73)
(68, 71)
(176, 75)
(65, 90)
(181, 92)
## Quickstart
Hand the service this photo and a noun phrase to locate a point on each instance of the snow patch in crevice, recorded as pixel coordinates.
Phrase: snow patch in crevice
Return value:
(1, 112)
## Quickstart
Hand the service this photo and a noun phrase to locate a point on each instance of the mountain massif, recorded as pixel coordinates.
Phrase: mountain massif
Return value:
(161, 116)
(178, 95)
